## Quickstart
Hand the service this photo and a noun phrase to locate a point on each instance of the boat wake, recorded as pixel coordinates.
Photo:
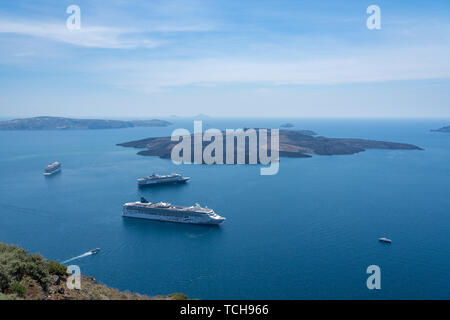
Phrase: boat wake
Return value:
(78, 257)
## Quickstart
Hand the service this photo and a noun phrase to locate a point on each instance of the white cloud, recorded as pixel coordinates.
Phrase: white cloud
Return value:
(24, 54)
(93, 37)
(389, 64)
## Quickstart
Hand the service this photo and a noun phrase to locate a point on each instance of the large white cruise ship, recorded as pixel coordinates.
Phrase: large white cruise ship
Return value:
(156, 179)
(166, 212)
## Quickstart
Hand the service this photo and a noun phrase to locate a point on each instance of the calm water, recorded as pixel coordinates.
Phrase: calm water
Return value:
(309, 232)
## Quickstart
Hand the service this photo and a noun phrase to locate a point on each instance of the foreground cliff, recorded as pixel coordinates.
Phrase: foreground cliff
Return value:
(31, 277)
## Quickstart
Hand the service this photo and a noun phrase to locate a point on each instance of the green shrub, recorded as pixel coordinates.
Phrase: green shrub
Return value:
(18, 288)
(178, 296)
(5, 279)
(57, 268)
(36, 268)
(16, 263)
(8, 297)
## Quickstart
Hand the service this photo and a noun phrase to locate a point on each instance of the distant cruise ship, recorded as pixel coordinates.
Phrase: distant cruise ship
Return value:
(156, 179)
(166, 212)
(52, 168)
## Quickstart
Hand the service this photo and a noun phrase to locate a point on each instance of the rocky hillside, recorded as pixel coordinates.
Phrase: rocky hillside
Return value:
(32, 277)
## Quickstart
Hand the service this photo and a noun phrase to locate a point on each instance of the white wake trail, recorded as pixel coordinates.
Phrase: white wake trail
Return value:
(78, 257)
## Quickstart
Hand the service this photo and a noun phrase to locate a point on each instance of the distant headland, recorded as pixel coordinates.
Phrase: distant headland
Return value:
(443, 129)
(293, 143)
(59, 123)
(286, 125)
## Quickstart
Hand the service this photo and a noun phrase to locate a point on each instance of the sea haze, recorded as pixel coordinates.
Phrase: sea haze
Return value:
(308, 232)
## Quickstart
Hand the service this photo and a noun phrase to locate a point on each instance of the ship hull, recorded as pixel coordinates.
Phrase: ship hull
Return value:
(52, 173)
(169, 218)
(157, 183)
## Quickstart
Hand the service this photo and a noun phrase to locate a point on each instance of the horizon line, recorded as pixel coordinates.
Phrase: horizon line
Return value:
(209, 117)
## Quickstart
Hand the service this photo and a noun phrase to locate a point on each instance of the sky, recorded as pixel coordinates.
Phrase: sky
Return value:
(225, 58)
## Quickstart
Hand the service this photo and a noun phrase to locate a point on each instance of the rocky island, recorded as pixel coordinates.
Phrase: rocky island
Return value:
(443, 129)
(58, 123)
(294, 144)
(286, 125)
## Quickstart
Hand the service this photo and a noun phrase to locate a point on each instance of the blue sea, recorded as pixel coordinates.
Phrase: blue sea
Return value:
(309, 232)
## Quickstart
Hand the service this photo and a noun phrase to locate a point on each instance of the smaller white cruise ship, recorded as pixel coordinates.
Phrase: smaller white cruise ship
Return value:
(156, 179)
(163, 211)
(53, 168)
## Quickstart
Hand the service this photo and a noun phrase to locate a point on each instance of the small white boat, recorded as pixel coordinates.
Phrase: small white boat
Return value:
(386, 240)
(53, 168)
(95, 250)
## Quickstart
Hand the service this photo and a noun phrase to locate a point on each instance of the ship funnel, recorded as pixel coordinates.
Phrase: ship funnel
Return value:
(143, 200)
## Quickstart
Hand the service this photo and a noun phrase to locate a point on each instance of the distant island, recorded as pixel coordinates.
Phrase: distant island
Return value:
(286, 125)
(58, 123)
(443, 129)
(293, 143)
(25, 276)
